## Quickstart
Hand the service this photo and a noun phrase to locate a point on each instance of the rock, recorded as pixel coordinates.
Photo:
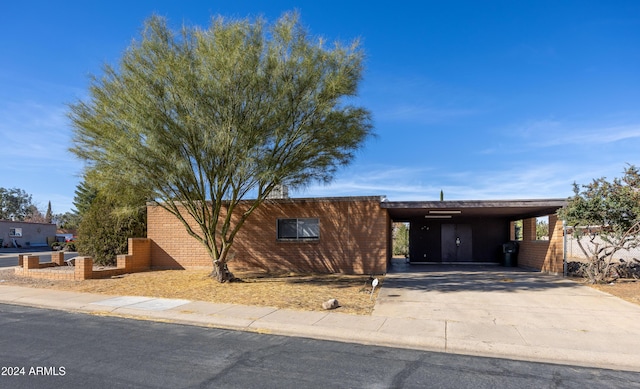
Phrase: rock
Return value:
(330, 304)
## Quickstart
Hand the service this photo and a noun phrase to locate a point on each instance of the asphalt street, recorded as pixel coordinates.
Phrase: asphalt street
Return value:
(42, 348)
(11, 259)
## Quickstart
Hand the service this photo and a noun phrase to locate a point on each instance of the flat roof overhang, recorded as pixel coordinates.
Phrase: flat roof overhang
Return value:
(510, 209)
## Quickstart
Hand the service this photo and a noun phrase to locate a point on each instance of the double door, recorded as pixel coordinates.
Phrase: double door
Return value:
(456, 242)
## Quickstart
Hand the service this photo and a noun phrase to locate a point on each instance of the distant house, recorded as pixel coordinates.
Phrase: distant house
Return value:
(25, 234)
(352, 235)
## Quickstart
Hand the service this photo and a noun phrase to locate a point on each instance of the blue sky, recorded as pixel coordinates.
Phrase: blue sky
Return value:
(480, 99)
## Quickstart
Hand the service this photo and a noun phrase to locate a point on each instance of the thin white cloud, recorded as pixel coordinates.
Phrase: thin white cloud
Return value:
(517, 182)
(34, 153)
(547, 133)
(420, 100)
(401, 182)
(602, 135)
(34, 132)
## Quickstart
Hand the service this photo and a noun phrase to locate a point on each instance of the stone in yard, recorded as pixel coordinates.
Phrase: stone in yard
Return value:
(330, 304)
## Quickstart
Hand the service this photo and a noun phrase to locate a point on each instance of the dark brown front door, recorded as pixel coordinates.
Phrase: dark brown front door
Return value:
(456, 243)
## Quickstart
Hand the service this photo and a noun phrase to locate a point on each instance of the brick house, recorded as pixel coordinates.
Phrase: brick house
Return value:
(352, 235)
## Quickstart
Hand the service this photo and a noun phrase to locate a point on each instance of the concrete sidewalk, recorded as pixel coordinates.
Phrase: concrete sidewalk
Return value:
(495, 312)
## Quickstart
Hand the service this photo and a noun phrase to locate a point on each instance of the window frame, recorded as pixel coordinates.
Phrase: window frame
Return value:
(299, 233)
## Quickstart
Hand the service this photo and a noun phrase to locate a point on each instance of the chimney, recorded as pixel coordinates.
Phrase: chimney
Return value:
(279, 192)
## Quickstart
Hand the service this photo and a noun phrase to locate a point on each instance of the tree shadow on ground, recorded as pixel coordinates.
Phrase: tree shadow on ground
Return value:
(473, 278)
(333, 280)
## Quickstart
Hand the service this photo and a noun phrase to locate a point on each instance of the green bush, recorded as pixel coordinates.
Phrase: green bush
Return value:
(66, 246)
(400, 239)
(105, 228)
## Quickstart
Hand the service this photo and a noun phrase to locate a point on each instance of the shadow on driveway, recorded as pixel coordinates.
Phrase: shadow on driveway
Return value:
(470, 278)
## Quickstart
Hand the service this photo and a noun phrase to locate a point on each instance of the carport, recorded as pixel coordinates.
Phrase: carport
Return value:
(474, 231)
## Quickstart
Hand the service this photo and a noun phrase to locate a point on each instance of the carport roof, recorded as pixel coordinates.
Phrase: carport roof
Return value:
(511, 209)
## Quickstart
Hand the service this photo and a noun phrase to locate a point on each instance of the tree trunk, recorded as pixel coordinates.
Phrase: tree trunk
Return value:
(221, 272)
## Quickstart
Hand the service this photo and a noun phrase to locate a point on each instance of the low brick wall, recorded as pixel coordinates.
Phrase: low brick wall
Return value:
(139, 257)
(137, 260)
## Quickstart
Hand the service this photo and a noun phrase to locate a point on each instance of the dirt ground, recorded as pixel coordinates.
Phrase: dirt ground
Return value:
(290, 291)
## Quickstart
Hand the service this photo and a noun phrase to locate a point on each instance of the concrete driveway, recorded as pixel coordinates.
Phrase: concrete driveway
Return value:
(492, 309)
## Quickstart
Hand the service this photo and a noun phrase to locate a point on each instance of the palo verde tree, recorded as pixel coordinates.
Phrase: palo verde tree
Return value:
(605, 217)
(201, 119)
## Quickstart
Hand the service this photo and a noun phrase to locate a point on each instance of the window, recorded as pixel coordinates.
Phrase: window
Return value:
(517, 230)
(542, 228)
(15, 232)
(299, 229)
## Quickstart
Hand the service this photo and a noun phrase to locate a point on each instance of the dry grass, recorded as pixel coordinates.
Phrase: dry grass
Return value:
(290, 291)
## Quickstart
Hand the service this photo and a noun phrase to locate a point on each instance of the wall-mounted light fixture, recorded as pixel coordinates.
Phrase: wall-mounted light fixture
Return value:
(445, 212)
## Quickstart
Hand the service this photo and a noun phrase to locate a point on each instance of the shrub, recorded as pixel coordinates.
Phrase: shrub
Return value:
(105, 228)
(70, 246)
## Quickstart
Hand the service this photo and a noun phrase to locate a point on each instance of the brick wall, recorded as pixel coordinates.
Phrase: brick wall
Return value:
(138, 259)
(171, 246)
(139, 256)
(354, 234)
(544, 255)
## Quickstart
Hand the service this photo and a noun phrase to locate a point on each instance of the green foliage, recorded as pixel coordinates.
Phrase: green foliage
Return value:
(49, 215)
(542, 229)
(615, 204)
(66, 246)
(605, 217)
(400, 239)
(67, 221)
(84, 195)
(105, 229)
(15, 204)
(202, 118)
(105, 219)
(517, 225)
